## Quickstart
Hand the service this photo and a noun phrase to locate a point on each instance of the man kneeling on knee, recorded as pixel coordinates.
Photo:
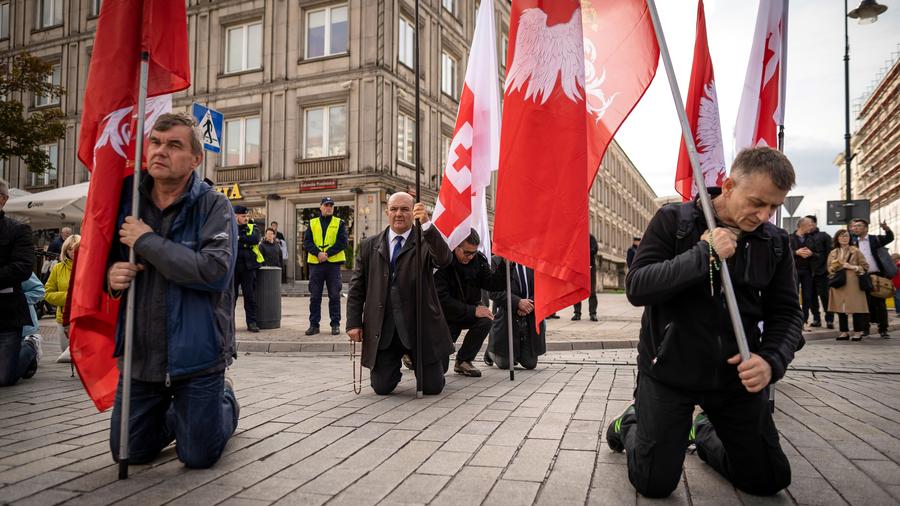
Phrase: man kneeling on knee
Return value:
(687, 354)
(185, 243)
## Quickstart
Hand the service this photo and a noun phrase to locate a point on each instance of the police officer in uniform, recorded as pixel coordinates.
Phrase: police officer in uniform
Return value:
(249, 260)
(325, 241)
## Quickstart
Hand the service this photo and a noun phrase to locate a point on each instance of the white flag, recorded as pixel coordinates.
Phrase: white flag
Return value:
(475, 148)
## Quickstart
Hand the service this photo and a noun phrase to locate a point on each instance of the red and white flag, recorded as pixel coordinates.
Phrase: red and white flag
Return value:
(574, 76)
(106, 146)
(475, 148)
(762, 101)
(703, 114)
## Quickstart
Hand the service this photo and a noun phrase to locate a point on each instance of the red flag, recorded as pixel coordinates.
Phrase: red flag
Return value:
(762, 102)
(475, 147)
(703, 114)
(567, 92)
(106, 146)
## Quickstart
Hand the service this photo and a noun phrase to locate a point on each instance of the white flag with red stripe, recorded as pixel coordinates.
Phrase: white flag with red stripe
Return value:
(475, 149)
(762, 101)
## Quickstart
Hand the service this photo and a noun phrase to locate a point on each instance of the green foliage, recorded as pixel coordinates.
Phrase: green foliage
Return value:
(22, 135)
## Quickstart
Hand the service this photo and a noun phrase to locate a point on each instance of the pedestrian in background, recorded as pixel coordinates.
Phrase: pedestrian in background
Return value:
(57, 287)
(16, 262)
(869, 246)
(249, 260)
(848, 300)
(592, 298)
(270, 250)
(325, 242)
(282, 243)
(632, 251)
(802, 255)
(820, 243)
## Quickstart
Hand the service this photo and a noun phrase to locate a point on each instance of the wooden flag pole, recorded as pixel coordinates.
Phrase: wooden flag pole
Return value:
(705, 201)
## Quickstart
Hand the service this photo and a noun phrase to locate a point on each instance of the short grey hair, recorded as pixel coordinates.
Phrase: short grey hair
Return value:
(765, 160)
(170, 119)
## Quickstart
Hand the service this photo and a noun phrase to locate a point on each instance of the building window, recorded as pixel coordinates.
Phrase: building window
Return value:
(54, 78)
(325, 131)
(406, 138)
(50, 13)
(242, 141)
(326, 31)
(244, 47)
(405, 42)
(49, 176)
(4, 20)
(95, 7)
(504, 48)
(448, 4)
(448, 74)
(445, 151)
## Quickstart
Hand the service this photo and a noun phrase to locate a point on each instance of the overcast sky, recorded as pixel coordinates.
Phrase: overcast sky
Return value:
(814, 117)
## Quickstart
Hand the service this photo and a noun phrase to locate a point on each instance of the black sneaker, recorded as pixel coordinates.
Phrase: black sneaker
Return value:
(488, 360)
(829, 325)
(576, 317)
(885, 335)
(312, 331)
(252, 327)
(816, 323)
(336, 330)
(700, 420)
(594, 318)
(554, 316)
(614, 435)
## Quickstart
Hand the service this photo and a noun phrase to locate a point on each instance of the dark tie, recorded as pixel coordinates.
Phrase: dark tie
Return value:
(524, 282)
(398, 244)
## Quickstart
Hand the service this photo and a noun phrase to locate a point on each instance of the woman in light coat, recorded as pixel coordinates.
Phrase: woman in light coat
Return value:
(57, 287)
(849, 299)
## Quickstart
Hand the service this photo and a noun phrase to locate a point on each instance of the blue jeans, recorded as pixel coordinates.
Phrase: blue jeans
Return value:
(199, 414)
(327, 274)
(15, 357)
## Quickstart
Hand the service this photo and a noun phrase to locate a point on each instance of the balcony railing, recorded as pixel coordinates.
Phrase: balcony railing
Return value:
(323, 166)
(237, 174)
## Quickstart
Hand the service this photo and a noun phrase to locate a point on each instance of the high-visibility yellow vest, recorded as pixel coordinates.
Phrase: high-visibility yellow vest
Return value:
(255, 248)
(323, 243)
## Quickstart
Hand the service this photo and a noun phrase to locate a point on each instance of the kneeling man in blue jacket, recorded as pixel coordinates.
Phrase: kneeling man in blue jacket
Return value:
(185, 242)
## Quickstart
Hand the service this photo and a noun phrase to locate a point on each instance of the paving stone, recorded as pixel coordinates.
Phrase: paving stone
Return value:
(532, 461)
(570, 478)
(417, 489)
(512, 493)
(47, 497)
(470, 486)
(610, 486)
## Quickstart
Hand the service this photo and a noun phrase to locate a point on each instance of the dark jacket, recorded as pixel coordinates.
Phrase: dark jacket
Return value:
(629, 255)
(271, 252)
(525, 336)
(876, 242)
(195, 263)
(368, 293)
(16, 262)
(459, 286)
(821, 245)
(246, 257)
(798, 242)
(595, 248)
(686, 334)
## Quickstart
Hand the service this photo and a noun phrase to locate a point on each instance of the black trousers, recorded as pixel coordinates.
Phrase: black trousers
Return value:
(385, 374)
(479, 328)
(807, 293)
(741, 443)
(877, 312)
(321, 276)
(245, 280)
(592, 299)
(820, 285)
(860, 322)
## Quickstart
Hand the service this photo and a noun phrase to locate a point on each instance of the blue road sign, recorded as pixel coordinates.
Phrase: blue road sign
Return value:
(210, 122)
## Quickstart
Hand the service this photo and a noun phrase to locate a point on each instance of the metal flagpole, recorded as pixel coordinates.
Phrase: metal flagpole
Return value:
(418, 223)
(705, 201)
(509, 325)
(125, 407)
(782, 86)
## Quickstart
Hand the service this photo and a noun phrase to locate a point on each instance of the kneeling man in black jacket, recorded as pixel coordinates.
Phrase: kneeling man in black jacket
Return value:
(687, 354)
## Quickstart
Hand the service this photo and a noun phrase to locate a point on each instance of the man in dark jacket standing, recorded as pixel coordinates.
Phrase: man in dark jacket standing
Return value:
(687, 354)
(592, 298)
(820, 244)
(381, 301)
(18, 357)
(249, 260)
(632, 251)
(869, 245)
(184, 313)
(459, 287)
(802, 263)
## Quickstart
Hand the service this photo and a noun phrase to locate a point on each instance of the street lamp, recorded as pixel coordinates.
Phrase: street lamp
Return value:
(866, 13)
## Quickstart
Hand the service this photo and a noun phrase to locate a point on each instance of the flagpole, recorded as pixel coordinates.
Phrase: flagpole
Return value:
(509, 324)
(419, 391)
(125, 406)
(782, 86)
(705, 201)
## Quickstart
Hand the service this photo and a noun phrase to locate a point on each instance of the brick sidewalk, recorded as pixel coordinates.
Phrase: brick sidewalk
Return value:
(305, 438)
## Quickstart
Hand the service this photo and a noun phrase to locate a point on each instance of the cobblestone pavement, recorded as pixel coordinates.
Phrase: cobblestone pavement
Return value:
(305, 438)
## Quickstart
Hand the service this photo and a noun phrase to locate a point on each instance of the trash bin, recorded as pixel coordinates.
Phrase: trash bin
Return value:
(268, 297)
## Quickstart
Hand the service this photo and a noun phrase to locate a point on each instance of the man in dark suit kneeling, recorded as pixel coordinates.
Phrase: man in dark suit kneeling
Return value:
(381, 305)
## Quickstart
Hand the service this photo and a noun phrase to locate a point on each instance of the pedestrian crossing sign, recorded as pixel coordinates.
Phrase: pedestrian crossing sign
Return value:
(210, 122)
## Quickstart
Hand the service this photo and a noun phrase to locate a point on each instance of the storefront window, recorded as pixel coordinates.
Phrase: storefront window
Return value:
(304, 215)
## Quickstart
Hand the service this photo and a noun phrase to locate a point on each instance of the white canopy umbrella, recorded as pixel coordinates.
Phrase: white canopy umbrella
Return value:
(50, 209)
